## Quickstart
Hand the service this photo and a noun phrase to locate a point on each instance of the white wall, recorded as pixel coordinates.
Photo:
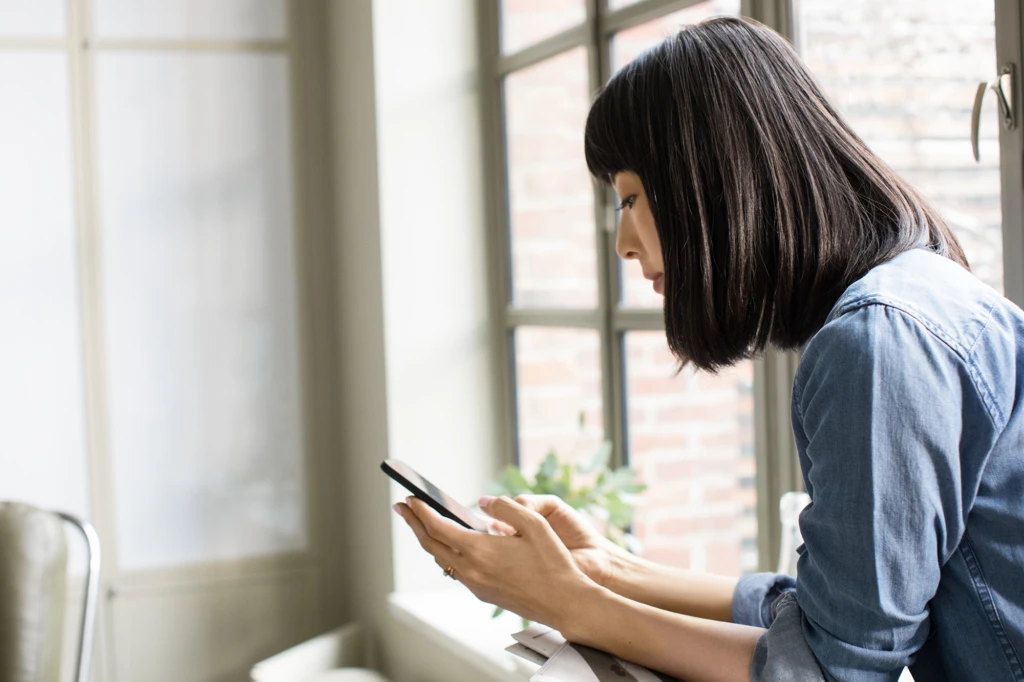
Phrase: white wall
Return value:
(436, 313)
(414, 363)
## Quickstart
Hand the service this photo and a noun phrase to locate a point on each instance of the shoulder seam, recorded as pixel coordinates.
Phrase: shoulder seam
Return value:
(963, 354)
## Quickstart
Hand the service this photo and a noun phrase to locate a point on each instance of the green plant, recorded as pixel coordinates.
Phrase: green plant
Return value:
(608, 495)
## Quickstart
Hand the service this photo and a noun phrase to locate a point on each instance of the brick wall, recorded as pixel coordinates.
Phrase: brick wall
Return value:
(691, 439)
(903, 73)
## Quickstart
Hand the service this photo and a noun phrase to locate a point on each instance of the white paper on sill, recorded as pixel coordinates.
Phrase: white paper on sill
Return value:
(526, 653)
(578, 663)
(540, 638)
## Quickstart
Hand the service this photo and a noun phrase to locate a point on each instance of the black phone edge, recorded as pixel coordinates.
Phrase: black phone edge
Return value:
(415, 490)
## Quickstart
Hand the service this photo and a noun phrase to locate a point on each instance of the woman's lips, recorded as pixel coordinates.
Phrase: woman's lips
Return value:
(659, 284)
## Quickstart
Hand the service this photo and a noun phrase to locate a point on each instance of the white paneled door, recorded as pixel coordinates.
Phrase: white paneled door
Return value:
(151, 312)
(43, 458)
(199, 288)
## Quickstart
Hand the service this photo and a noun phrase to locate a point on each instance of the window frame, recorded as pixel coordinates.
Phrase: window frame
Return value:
(303, 46)
(775, 452)
(1009, 18)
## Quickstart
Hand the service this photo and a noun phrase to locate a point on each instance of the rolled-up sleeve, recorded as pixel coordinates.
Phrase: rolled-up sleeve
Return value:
(755, 595)
(768, 600)
(876, 411)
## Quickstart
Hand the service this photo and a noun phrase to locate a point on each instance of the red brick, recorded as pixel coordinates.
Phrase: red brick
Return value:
(685, 526)
(655, 442)
(724, 439)
(718, 494)
(723, 558)
(683, 469)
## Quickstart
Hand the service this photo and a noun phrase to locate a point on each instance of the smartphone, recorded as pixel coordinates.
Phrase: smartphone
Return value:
(441, 502)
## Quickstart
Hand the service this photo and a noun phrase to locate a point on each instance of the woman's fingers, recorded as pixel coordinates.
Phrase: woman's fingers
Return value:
(501, 528)
(503, 570)
(545, 505)
(524, 521)
(441, 552)
(440, 528)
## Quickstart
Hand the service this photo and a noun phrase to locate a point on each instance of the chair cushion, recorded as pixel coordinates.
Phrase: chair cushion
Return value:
(33, 581)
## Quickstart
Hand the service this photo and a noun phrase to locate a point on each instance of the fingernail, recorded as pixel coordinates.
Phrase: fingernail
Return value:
(398, 508)
(485, 500)
(408, 500)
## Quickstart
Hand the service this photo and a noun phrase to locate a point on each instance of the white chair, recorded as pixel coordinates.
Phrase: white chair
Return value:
(790, 506)
(33, 584)
(335, 656)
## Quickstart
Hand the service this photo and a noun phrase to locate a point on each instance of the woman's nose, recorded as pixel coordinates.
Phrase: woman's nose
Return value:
(626, 243)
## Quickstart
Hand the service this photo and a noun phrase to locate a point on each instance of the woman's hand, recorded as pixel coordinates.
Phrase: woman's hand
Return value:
(693, 593)
(529, 572)
(595, 555)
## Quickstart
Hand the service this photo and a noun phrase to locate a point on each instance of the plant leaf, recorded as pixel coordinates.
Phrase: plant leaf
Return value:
(548, 467)
(600, 458)
(566, 478)
(619, 512)
(609, 502)
(576, 500)
(513, 482)
(635, 487)
(618, 536)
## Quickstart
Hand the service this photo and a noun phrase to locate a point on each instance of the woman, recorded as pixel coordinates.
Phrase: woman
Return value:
(765, 220)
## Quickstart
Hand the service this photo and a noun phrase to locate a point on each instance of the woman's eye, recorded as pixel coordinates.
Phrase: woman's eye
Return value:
(627, 202)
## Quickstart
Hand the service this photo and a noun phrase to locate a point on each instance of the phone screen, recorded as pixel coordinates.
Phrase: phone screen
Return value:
(441, 502)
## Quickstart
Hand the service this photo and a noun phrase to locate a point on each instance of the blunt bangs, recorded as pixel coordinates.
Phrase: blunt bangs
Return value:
(611, 144)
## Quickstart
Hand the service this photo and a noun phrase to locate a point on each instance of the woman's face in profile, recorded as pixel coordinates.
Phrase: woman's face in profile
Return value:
(637, 238)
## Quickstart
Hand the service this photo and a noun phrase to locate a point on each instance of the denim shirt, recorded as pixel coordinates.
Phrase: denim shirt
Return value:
(908, 413)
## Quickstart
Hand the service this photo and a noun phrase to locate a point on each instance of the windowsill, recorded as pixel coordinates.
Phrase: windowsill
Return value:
(461, 625)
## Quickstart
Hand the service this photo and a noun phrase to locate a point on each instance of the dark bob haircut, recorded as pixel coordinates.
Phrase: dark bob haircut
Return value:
(768, 206)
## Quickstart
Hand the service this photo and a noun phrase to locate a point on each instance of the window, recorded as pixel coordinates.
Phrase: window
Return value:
(551, 201)
(45, 460)
(150, 277)
(524, 22)
(587, 353)
(201, 301)
(156, 318)
(908, 93)
(585, 349)
(691, 438)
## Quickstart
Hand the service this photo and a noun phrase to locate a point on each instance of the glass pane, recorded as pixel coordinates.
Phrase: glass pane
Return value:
(551, 196)
(200, 286)
(904, 75)
(636, 292)
(191, 19)
(525, 22)
(692, 14)
(691, 439)
(33, 18)
(43, 459)
(628, 44)
(558, 394)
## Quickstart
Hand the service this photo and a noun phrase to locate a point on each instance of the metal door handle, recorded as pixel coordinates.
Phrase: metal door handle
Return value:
(1003, 88)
